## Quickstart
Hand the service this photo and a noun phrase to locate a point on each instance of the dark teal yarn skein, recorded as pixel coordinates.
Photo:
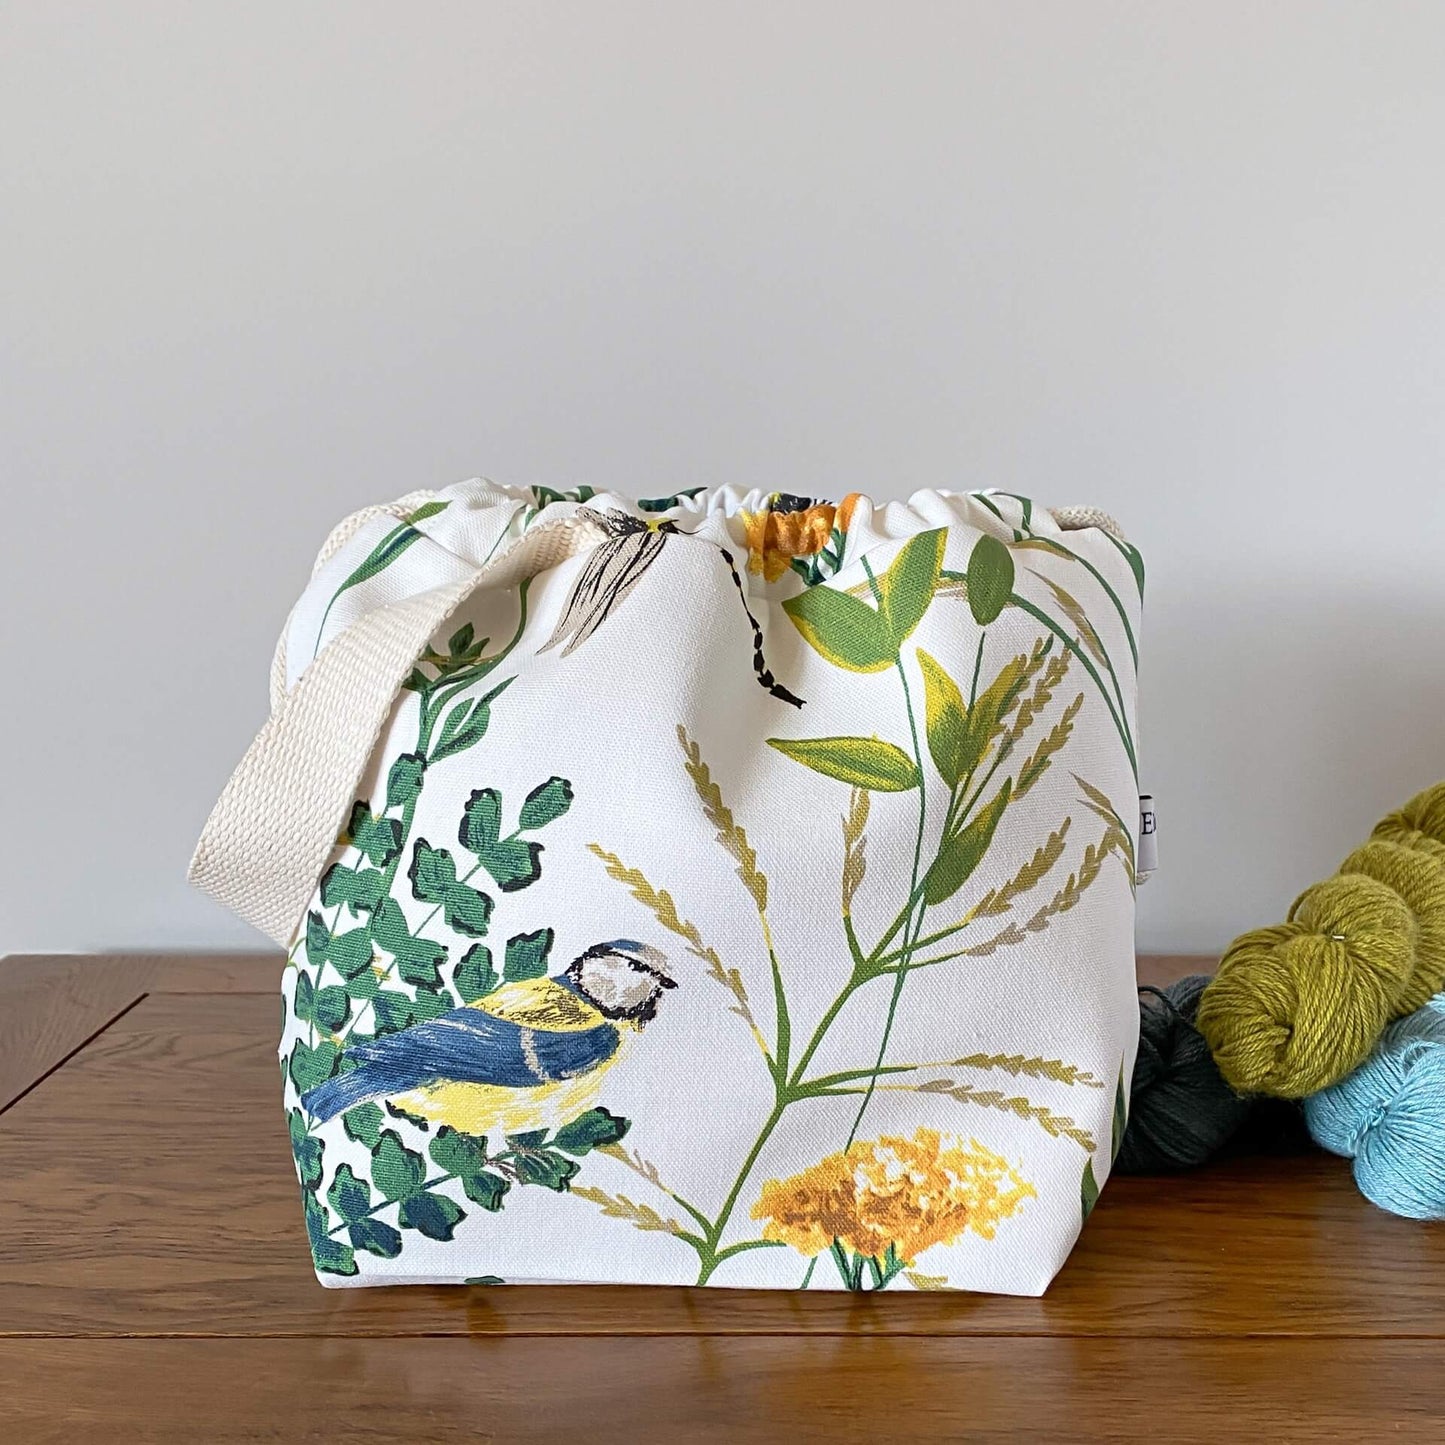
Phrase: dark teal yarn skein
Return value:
(1181, 1112)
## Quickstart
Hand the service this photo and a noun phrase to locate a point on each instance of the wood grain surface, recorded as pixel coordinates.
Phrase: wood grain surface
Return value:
(148, 1291)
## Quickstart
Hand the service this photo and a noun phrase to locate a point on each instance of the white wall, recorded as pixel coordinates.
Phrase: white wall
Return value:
(263, 263)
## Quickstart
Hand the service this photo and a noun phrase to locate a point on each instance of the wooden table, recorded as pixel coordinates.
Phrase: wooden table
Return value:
(151, 1290)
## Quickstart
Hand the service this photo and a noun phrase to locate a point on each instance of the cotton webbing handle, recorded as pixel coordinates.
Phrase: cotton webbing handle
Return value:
(277, 819)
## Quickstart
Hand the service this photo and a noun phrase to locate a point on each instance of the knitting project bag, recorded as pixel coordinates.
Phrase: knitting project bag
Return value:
(727, 889)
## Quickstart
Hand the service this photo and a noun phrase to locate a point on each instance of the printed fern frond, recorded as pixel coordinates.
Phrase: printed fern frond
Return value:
(658, 901)
(729, 831)
(1035, 1068)
(855, 846)
(619, 1206)
(1037, 763)
(1057, 1126)
(1000, 900)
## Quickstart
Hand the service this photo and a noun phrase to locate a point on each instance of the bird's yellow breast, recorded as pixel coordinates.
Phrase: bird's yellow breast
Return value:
(541, 1003)
(489, 1108)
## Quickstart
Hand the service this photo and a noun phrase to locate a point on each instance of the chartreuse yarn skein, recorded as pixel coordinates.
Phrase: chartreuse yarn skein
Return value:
(1389, 1117)
(1294, 1008)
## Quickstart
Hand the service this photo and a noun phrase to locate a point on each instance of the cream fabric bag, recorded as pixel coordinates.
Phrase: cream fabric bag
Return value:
(728, 889)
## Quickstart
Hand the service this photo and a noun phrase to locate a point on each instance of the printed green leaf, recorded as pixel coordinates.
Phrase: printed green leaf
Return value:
(527, 955)
(364, 985)
(360, 889)
(396, 1170)
(666, 504)
(427, 509)
(378, 560)
(465, 1156)
(950, 742)
(1088, 1189)
(475, 977)
(382, 555)
(433, 875)
(303, 1001)
(1121, 1115)
(417, 959)
(546, 803)
(432, 872)
(481, 820)
(376, 1237)
(333, 1008)
(1134, 558)
(397, 1112)
(433, 1215)
(318, 939)
(859, 762)
(907, 587)
(467, 910)
(307, 1150)
(461, 640)
(965, 850)
(512, 863)
(391, 1011)
(403, 782)
(592, 1130)
(994, 704)
(551, 1171)
(546, 496)
(328, 1008)
(486, 1189)
(349, 1196)
(309, 1066)
(351, 952)
(331, 1256)
(429, 1004)
(844, 630)
(456, 1153)
(362, 1122)
(379, 839)
(466, 725)
(990, 579)
(470, 716)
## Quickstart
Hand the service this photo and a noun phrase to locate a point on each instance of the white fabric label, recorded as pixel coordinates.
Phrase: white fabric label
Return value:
(1148, 838)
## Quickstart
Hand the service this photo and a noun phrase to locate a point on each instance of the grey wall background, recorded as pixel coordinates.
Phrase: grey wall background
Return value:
(263, 264)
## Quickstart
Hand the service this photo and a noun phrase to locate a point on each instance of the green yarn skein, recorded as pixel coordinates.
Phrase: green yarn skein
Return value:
(1296, 1007)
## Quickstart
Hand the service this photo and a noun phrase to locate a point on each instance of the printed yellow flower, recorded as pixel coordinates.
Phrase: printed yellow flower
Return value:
(906, 1193)
(792, 527)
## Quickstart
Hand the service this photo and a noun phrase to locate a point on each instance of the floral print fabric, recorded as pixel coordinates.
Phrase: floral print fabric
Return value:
(747, 901)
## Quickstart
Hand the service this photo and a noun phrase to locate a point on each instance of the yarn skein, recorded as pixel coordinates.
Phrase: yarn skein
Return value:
(1295, 1007)
(1389, 1117)
(1181, 1111)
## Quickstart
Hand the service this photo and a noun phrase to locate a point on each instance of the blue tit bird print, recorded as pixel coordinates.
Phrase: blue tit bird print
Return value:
(529, 1055)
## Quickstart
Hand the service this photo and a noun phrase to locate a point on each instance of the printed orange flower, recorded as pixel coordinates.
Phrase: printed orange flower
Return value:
(792, 527)
(892, 1193)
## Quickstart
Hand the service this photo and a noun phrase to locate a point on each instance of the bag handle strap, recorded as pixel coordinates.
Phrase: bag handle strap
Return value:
(277, 819)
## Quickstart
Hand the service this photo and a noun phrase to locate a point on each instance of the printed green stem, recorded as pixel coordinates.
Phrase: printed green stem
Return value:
(709, 1258)
(922, 909)
(377, 1208)
(1120, 726)
(1109, 590)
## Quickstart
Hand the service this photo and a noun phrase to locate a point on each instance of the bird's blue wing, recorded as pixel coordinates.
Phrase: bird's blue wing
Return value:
(471, 1046)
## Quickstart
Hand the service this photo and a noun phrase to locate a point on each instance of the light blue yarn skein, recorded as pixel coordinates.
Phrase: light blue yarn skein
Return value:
(1389, 1116)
